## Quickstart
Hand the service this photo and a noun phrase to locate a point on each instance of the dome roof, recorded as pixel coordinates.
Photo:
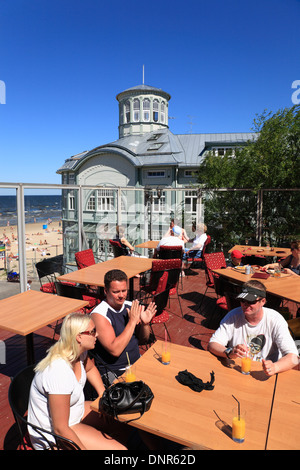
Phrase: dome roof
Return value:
(143, 89)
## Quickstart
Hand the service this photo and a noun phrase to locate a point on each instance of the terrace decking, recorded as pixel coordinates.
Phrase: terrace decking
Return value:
(193, 330)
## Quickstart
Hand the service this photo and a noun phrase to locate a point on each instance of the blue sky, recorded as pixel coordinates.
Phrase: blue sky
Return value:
(64, 61)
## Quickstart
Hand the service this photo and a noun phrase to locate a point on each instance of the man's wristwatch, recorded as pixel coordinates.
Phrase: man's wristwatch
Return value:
(228, 351)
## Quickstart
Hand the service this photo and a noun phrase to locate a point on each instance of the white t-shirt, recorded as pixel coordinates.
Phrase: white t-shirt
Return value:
(170, 241)
(269, 339)
(57, 379)
(201, 239)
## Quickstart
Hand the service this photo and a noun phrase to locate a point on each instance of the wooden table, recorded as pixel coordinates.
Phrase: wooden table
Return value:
(203, 420)
(284, 431)
(151, 244)
(31, 310)
(286, 286)
(94, 275)
(248, 250)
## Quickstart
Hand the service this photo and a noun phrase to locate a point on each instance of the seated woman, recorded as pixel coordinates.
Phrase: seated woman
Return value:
(125, 243)
(198, 242)
(291, 263)
(56, 401)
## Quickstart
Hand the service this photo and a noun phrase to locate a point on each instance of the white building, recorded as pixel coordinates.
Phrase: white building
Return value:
(142, 179)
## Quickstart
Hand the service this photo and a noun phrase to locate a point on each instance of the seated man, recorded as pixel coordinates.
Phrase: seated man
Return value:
(120, 326)
(198, 242)
(252, 328)
(172, 240)
(235, 259)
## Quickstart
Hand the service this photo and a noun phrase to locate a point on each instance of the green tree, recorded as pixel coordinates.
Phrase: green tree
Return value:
(271, 160)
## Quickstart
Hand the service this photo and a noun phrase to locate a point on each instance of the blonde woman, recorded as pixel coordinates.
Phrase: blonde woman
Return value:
(56, 401)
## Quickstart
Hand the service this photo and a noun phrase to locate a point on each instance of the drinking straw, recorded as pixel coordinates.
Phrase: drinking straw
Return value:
(128, 359)
(165, 340)
(239, 407)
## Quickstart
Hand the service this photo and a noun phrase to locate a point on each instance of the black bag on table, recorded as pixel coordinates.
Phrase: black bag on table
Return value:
(126, 398)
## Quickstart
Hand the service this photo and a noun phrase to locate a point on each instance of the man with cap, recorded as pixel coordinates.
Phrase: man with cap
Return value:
(235, 259)
(255, 330)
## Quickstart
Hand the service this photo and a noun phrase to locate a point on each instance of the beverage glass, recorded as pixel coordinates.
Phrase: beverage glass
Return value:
(246, 365)
(166, 353)
(277, 272)
(238, 426)
(130, 374)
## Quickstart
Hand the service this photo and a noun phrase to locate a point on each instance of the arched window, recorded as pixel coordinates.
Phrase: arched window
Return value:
(136, 110)
(127, 111)
(162, 112)
(155, 110)
(146, 109)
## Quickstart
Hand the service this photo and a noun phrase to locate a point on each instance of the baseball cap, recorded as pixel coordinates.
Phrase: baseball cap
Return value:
(176, 230)
(237, 254)
(251, 294)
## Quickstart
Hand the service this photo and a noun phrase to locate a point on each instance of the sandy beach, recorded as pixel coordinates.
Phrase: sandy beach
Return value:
(40, 243)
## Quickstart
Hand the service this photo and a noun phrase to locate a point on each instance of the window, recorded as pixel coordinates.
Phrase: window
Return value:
(191, 173)
(162, 112)
(159, 203)
(190, 201)
(156, 174)
(71, 202)
(136, 110)
(155, 146)
(91, 205)
(146, 110)
(222, 151)
(127, 112)
(154, 137)
(105, 200)
(155, 110)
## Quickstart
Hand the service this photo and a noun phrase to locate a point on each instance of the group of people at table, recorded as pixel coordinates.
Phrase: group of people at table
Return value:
(96, 347)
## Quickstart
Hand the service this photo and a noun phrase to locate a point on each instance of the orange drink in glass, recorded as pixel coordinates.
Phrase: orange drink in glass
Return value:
(246, 365)
(130, 375)
(238, 427)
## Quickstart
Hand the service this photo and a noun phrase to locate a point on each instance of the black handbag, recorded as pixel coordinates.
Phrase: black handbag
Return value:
(126, 398)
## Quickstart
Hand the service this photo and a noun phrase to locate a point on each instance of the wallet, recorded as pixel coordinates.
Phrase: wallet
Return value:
(260, 275)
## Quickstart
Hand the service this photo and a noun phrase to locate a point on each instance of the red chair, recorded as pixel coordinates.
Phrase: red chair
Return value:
(75, 292)
(118, 249)
(85, 258)
(170, 252)
(214, 261)
(200, 260)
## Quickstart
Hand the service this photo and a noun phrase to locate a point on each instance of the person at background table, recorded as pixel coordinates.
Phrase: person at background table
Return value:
(235, 259)
(198, 242)
(124, 242)
(257, 331)
(290, 264)
(174, 239)
(121, 325)
(56, 401)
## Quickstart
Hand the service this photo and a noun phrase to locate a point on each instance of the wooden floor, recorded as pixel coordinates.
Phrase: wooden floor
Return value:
(193, 329)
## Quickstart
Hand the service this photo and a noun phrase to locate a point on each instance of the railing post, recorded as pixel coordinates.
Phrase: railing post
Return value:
(21, 238)
(259, 222)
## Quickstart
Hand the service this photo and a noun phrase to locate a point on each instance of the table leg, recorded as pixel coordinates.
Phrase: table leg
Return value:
(131, 291)
(30, 349)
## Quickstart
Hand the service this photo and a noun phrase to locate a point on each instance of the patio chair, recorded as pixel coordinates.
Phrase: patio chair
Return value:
(47, 269)
(18, 397)
(214, 261)
(85, 258)
(157, 271)
(77, 292)
(119, 250)
(173, 266)
(194, 261)
(170, 252)
(161, 300)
